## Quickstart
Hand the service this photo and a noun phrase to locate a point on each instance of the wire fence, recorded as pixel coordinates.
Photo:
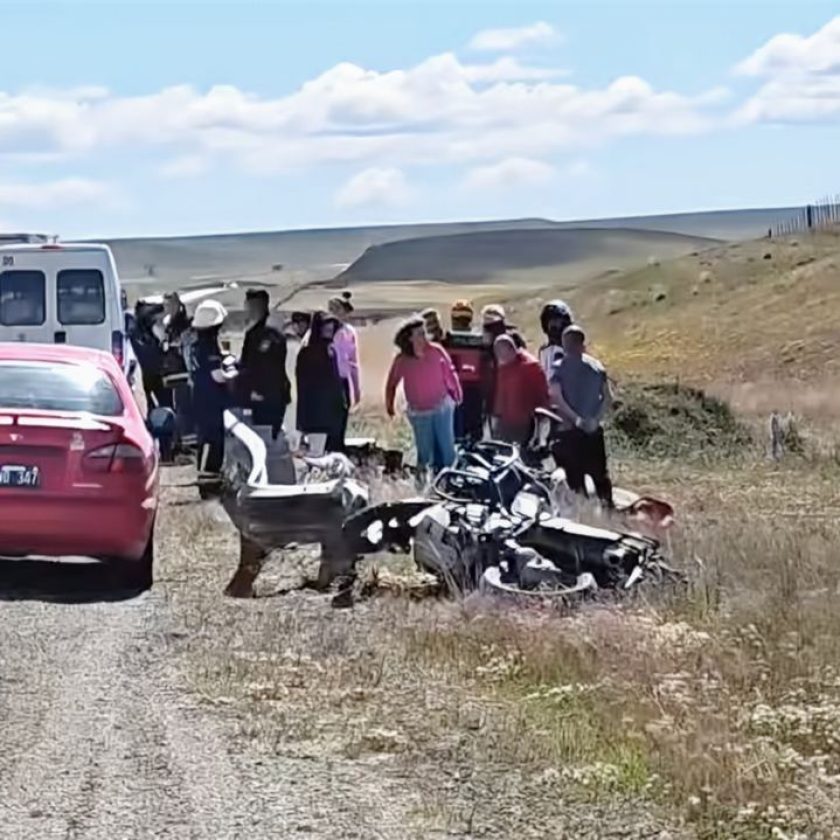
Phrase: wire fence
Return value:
(818, 216)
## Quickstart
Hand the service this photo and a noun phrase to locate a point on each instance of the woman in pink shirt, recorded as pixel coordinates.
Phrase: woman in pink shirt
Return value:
(432, 391)
(346, 345)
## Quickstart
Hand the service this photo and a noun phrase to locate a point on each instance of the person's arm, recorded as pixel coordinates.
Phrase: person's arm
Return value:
(355, 368)
(561, 407)
(395, 376)
(606, 402)
(453, 384)
(539, 387)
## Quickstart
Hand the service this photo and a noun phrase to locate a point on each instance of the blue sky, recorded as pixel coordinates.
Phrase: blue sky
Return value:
(166, 118)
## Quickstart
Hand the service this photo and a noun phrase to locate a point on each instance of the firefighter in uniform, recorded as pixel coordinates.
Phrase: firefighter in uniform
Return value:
(211, 372)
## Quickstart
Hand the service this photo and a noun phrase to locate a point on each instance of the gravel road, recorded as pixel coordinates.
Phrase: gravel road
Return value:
(102, 740)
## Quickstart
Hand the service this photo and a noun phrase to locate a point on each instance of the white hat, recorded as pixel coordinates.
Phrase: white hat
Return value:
(209, 313)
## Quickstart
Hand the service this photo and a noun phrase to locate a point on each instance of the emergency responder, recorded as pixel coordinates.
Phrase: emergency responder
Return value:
(211, 373)
(471, 359)
(263, 383)
(554, 318)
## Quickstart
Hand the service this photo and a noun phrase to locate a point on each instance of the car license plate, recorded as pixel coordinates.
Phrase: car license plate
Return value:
(25, 477)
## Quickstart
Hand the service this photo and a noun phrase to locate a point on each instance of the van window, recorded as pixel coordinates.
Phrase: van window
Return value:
(22, 298)
(81, 296)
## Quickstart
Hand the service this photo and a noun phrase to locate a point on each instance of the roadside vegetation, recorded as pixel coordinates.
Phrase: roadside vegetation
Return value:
(713, 713)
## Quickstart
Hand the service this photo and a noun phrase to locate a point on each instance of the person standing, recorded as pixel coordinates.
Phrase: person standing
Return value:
(176, 380)
(471, 360)
(521, 388)
(433, 325)
(264, 384)
(321, 390)
(554, 318)
(211, 374)
(432, 391)
(346, 344)
(580, 392)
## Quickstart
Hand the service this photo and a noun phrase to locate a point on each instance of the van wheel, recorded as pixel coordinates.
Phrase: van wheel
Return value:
(139, 575)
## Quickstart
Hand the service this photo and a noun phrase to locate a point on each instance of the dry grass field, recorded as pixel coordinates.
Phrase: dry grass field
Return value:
(715, 714)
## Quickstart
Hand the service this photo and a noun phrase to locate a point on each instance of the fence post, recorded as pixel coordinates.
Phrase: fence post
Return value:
(809, 212)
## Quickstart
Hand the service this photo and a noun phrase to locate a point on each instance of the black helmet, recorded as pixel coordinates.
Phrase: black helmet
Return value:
(555, 309)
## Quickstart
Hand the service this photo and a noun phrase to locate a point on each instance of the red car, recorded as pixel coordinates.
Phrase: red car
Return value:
(78, 467)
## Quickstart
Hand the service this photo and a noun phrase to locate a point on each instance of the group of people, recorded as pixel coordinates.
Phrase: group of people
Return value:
(463, 383)
(466, 383)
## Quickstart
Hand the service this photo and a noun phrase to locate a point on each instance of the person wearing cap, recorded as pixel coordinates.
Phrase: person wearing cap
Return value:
(346, 346)
(211, 372)
(321, 390)
(581, 395)
(432, 391)
(301, 321)
(433, 325)
(471, 360)
(264, 384)
(556, 315)
(521, 388)
(493, 324)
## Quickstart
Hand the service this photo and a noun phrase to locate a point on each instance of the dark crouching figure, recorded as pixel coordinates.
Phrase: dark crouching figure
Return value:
(321, 394)
(264, 386)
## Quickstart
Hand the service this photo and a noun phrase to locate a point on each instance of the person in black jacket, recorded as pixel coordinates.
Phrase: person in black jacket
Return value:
(321, 398)
(264, 385)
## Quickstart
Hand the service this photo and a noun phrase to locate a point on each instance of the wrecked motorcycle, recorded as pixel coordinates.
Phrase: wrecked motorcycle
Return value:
(491, 523)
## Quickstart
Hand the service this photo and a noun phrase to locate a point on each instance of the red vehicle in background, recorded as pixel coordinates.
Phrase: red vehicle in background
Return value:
(79, 469)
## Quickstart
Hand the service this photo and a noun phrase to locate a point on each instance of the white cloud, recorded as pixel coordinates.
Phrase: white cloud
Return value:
(186, 166)
(440, 111)
(801, 78)
(377, 186)
(511, 172)
(63, 193)
(786, 53)
(505, 40)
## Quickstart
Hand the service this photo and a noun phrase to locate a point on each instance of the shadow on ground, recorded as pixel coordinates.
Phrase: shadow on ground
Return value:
(56, 582)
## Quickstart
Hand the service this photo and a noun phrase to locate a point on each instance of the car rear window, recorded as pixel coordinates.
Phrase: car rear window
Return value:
(22, 298)
(81, 296)
(58, 387)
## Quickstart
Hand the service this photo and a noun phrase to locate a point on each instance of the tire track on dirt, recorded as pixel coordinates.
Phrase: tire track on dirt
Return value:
(100, 747)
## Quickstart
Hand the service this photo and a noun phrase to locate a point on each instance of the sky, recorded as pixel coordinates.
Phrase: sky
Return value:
(139, 119)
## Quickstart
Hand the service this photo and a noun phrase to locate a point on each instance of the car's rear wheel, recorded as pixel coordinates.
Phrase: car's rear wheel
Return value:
(139, 575)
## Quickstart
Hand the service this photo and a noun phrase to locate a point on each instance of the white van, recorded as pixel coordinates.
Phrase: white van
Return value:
(62, 293)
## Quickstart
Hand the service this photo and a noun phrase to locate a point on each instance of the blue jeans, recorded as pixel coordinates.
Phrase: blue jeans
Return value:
(434, 436)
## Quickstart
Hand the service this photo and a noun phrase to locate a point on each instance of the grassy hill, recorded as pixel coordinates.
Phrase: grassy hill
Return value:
(488, 256)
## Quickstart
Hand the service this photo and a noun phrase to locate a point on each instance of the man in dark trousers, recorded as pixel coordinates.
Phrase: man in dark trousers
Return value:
(264, 384)
(471, 359)
(580, 392)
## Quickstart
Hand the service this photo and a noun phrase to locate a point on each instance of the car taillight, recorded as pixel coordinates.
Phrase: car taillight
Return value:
(115, 458)
(118, 346)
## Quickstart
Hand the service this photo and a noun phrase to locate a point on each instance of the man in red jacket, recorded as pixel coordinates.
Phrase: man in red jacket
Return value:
(521, 388)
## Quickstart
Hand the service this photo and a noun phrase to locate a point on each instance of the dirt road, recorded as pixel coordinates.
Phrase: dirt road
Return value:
(103, 739)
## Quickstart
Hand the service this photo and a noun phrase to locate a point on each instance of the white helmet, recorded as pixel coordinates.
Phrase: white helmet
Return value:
(209, 313)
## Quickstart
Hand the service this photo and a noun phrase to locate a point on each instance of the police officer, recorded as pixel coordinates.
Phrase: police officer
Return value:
(211, 373)
(263, 383)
